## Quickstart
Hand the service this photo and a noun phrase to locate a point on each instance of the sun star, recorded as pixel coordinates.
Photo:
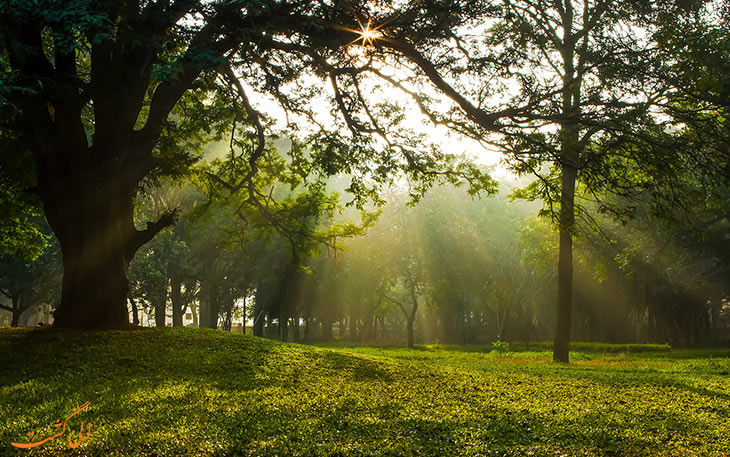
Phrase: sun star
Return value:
(368, 36)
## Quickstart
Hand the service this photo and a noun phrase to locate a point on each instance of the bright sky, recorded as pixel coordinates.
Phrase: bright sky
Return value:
(449, 141)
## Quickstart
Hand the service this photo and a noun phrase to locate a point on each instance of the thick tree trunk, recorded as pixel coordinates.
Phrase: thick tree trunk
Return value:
(92, 214)
(96, 253)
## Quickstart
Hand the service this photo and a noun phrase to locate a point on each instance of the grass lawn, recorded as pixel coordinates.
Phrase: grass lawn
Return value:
(193, 392)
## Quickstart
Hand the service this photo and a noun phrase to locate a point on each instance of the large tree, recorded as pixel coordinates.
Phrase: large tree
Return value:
(89, 87)
(550, 77)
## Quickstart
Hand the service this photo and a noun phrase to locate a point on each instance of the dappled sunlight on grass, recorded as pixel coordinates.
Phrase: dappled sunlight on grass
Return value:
(171, 392)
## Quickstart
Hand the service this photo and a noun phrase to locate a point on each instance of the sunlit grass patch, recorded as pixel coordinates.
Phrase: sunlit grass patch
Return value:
(180, 392)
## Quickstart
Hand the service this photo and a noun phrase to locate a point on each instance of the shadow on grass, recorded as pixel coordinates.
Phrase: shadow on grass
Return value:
(173, 392)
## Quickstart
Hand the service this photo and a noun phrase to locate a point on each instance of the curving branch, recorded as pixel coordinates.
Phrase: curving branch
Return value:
(141, 237)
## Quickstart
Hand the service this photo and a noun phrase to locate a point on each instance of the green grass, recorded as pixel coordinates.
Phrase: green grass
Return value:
(191, 392)
(591, 347)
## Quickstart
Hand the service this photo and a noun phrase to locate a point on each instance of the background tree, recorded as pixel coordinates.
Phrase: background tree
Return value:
(28, 283)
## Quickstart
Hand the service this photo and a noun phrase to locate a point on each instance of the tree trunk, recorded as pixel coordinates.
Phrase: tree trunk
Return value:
(412, 316)
(353, 329)
(569, 137)
(16, 312)
(161, 308)
(244, 318)
(258, 325)
(228, 320)
(284, 328)
(258, 313)
(91, 211)
(209, 304)
(176, 297)
(307, 329)
(135, 311)
(194, 312)
(409, 330)
(295, 330)
(327, 329)
(561, 343)
(96, 259)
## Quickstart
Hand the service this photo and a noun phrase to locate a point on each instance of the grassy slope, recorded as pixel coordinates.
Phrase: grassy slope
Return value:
(200, 392)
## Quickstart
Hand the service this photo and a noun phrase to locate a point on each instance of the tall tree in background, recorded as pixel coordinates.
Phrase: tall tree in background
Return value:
(565, 46)
(547, 78)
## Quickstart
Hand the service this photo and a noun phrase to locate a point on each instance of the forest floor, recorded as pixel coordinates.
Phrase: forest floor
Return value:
(194, 392)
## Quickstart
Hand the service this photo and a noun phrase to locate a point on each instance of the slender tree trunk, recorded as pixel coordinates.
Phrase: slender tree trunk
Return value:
(258, 313)
(214, 308)
(307, 328)
(161, 308)
(409, 331)
(16, 312)
(135, 311)
(194, 312)
(284, 328)
(295, 324)
(258, 324)
(353, 328)
(228, 320)
(176, 297)
(244, 319)
(411, 318)
(204, 309)
(569, 159)
(327, 330)
(561, 343)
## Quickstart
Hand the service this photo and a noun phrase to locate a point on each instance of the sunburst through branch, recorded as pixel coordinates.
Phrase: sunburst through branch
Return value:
(367, 35)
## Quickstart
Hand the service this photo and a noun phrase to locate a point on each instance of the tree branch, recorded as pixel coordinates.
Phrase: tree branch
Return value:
(153, 228)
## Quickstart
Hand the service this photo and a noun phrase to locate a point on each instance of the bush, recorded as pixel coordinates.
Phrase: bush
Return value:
(580, 346)
(500, 346)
